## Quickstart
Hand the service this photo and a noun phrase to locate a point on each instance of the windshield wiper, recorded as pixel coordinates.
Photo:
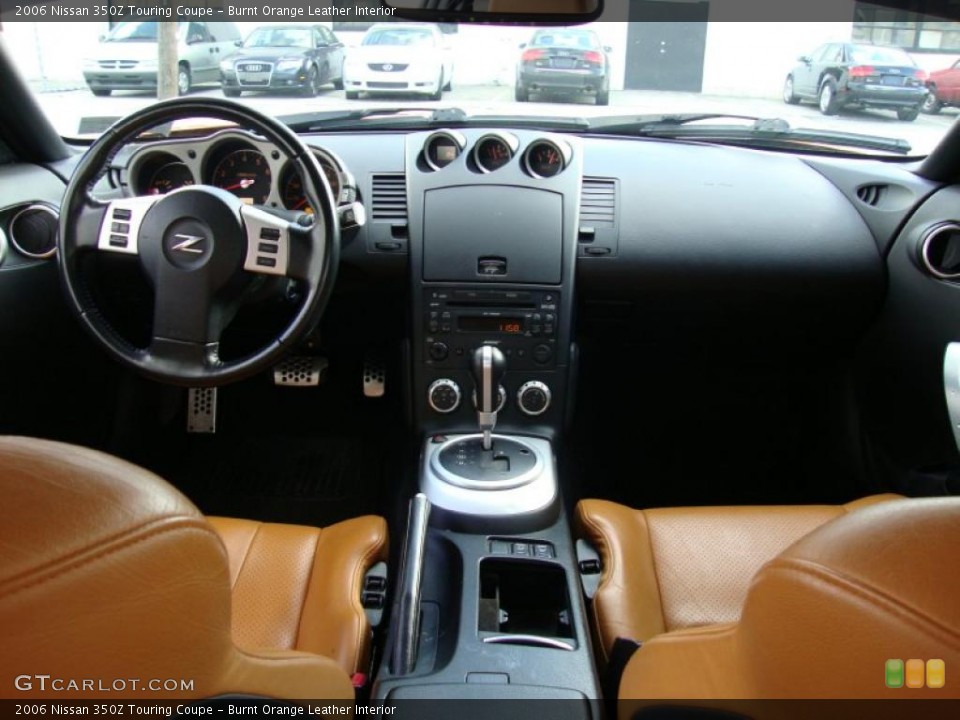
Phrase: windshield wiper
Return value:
(774, 132)
(338, 119)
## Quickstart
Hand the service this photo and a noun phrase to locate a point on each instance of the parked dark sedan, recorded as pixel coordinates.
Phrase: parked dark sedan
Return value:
(564, 61)
(284, 57)
(839, 75)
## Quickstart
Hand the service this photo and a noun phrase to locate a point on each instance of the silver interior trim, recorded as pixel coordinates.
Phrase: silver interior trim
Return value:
(411, 574)
(925, 250)
(35, 207)
(951, 387)
(548, 642)
(486, 486)
(535, 494)
(3, 245)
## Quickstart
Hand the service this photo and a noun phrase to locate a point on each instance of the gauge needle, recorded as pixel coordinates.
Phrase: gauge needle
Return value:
(242, 185)
(300, 204)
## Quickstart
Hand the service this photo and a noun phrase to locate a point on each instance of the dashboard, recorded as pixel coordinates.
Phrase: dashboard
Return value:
(534, 240)
(233, 160)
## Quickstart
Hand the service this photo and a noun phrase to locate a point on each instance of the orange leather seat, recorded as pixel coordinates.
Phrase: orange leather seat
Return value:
(819, 618)
(677, 568)
(108, 574)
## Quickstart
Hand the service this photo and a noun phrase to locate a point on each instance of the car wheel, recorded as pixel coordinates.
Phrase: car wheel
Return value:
(789, 96)
(521, 94)
(448, 87)
(231, 92)
(932, 104)
(184, 81)
(908, 114)
(438, 95)
(312, 88)
(351, 95)
(338, 82)
(101, 92)
(603, 97)
(828, 97)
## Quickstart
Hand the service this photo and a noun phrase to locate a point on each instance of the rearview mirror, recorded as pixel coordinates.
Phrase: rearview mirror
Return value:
(438, 11)
(805, 59)
(238, 43)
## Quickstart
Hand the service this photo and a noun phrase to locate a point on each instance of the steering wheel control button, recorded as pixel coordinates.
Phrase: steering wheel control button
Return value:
(444, 396)
(120, 229)
(534, 398)
(268, 242)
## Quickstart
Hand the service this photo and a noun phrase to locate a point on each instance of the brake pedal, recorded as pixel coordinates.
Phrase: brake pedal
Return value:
(300, 371)
(202, 410)
(374, 377)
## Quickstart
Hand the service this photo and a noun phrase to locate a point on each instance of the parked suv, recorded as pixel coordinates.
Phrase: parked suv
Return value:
(126, 58)
(839, 75)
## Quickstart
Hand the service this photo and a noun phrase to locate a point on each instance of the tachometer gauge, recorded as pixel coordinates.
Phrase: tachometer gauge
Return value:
(170, 177)
(544, 159)
(246, 174)
(492, 152)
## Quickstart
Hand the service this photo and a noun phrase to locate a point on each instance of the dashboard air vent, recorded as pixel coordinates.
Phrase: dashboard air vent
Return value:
(389, 203)
(871, 194)
(598, 203)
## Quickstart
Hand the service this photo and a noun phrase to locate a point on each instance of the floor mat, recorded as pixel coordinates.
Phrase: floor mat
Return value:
(304, 480)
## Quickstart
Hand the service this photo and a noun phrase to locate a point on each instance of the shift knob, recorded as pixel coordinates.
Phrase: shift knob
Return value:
(488, 366)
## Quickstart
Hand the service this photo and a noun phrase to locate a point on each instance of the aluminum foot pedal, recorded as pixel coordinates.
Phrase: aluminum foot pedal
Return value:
(374, 377)
(202, 410)
(300, 371)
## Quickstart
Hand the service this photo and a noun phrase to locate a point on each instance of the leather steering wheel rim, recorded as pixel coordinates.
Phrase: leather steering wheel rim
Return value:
(313, 249)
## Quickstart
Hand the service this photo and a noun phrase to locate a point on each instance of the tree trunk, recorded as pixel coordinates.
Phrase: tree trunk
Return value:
(167, 59)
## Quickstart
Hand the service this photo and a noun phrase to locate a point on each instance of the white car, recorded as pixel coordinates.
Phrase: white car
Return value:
(399, 58)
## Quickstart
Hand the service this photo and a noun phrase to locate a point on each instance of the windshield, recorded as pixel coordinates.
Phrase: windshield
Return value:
(812, 76)
(134, 32)
(279, 37)
(880, 55)
(398, 36)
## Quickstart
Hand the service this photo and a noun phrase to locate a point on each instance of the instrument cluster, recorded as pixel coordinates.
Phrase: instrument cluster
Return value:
(542, 159)
(247, 166)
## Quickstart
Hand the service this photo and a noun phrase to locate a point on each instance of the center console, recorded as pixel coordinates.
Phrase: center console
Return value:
(493, 606)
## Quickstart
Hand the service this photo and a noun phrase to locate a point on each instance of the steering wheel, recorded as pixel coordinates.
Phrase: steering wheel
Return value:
(200, 247)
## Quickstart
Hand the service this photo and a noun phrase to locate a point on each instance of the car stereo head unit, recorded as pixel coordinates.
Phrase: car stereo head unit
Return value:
(524, 324)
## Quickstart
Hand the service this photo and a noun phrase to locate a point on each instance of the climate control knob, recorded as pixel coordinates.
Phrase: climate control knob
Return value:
(534, 398)
(501, 398)
(444, 396)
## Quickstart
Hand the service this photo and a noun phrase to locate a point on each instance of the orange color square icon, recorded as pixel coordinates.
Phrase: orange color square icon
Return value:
(936, 673)
(916, 672)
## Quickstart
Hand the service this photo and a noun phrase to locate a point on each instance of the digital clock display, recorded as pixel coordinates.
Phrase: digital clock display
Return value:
(479, 323)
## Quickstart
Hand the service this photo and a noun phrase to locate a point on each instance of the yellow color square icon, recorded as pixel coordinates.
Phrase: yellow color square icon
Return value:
(915, 673)
(936, 673)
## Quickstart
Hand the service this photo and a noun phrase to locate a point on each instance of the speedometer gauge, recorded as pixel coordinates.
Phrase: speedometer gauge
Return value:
(169, 177)
(246, 174)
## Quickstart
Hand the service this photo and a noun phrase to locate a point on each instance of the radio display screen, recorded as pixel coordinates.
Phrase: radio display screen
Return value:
(479, 323)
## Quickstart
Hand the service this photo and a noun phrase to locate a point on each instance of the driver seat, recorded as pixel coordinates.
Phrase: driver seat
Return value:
(108, 574)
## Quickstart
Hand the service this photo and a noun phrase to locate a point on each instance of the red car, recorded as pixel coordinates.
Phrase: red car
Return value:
(944, 88)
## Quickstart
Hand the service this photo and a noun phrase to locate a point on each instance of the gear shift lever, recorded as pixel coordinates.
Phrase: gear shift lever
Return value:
(488, 366)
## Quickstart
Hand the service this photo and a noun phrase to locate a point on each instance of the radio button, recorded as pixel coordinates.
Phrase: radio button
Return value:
(439, 351)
